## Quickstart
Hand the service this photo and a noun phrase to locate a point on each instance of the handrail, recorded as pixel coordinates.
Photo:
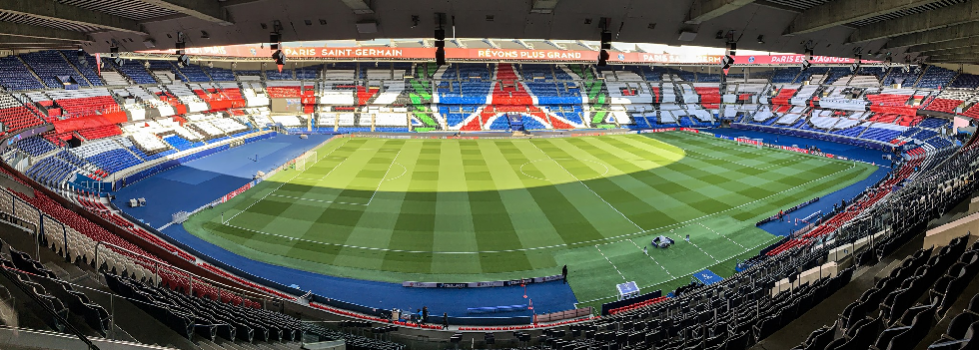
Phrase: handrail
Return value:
(191, 276)
(37, 300)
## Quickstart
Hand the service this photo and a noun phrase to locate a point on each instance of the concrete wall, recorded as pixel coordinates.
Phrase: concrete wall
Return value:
(807, 277)
(942, 235)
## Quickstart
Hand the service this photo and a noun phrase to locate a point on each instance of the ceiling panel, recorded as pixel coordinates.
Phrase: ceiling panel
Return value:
(132, 9)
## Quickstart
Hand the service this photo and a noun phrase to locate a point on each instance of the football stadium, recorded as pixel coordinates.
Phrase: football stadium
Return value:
(518, 174)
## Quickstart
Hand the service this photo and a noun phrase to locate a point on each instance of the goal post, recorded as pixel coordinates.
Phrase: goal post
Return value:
(307, 159)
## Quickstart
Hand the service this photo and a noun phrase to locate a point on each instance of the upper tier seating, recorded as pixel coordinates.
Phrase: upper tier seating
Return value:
(965, 81)
(935, 78)
(192, 74)
(85, 64)
(219, 74)
(49, 65)
(134, 70)
(897, 76)
(837, 76)
(286, 74)
(14, 75)
(785, 75)
(309, 73)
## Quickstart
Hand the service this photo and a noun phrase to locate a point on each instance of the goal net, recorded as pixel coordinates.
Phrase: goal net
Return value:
(307, 159)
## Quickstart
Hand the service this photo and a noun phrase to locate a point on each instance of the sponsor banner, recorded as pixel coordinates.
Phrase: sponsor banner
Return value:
(235, 193)
(484, 284)
(650, 131)
(421, 53)
(751, 142)
(795, 149)
(793, 59)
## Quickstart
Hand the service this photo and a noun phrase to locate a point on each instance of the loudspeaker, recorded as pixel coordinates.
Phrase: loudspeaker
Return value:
(440, 56)
(74, 142)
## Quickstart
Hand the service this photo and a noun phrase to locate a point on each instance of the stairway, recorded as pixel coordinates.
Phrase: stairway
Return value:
(62, 54)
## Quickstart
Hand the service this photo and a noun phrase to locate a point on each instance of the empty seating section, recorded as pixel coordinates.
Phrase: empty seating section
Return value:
(35, 146)
(100, 132)
(837, 76)
(899, 310)
(286, 74)
(784, 75)
(308, 73)
(463, 84)
(948, 100)
(81, 103)
(14, 116)
(972, 112)
(192, 74)
(898, 76)
(181, 143)
(219, 74)
(287, 89)
(805, 75)
(134, 70)
(14, 75)
(53, 69)
(965, 81)
(936, 78)
(85, 64)
(107, 154)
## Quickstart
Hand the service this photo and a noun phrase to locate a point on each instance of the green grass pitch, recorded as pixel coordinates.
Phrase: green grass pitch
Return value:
(475, 210)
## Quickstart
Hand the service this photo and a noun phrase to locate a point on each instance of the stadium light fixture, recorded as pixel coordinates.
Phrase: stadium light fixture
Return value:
(280, 59)
(440, 39)
(183, 60)
(81, 57)
(805, 65)
(605, 44)
(727, 61)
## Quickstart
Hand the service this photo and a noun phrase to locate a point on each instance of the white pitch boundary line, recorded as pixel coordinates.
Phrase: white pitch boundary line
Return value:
(610, 262)
(705, 253)
(607, 240)
(795, 159)
(316, 200)
(721, 159)
(284, 183)
(586, 186)
(675, 278)
(393, 161)
(716, 232)
(651, 258)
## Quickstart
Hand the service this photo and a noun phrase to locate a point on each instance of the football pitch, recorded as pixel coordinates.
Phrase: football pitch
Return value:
(479, 210)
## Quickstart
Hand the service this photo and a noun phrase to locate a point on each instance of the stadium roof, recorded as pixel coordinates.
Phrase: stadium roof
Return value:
(943, 30)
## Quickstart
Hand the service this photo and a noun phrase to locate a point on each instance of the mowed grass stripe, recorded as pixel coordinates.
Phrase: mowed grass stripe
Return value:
(528, 219)
(588, 205)
(615, 190)
(542, 198)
